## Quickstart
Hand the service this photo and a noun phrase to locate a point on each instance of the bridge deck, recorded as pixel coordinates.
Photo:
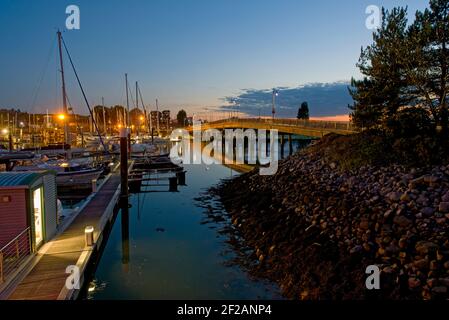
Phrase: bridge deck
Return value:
(316, 129)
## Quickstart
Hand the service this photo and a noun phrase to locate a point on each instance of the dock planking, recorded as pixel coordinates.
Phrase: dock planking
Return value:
(46, 281)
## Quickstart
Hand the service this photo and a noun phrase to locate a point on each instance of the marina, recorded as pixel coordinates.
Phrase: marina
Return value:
(236, 158)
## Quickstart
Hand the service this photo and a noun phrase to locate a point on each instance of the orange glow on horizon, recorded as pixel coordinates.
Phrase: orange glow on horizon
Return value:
(340, 117)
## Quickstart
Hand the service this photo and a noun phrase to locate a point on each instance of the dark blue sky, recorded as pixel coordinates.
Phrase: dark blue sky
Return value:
(187, 53)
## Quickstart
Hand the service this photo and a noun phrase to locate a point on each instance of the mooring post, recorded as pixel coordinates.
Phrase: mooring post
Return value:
(129, 142)
(94, 185)
(124, 161)
(282, 145)
(173, 184)
(181, 175)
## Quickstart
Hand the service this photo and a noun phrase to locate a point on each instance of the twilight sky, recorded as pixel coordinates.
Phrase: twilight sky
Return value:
(193, 54)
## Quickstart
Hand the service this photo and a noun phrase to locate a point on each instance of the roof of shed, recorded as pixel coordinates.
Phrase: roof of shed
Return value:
(16, 179)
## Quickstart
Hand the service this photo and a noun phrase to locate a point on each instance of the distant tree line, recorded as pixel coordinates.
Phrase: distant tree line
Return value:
(404, 89)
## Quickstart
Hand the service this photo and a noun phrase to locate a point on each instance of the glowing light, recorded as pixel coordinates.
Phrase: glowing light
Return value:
(5, 131)
(141, 118)
(61, 117)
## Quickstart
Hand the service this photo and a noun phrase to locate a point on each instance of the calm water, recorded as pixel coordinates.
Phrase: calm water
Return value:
(171, 254)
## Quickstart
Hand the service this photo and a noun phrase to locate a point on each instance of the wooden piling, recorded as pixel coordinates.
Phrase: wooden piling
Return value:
(181, 175)
(173, 184)
(124, 162)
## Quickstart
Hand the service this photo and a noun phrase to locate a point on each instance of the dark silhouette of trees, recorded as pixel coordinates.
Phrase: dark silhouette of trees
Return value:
(303, 111)
(405, 73)
(181, 117)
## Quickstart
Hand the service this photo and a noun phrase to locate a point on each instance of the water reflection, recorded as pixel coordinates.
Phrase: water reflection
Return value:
(125, 233)
(173, 245)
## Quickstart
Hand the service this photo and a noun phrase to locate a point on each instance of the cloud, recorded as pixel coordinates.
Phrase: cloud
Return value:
(324, 99)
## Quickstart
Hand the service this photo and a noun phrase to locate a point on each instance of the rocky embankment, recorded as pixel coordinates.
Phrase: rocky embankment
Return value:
(314, 228)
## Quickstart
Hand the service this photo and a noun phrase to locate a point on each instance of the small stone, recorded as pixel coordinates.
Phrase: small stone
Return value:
(424, 247)
(403, 243)
(392, 249)
(439, 290)
(431, 282)
(405, 197)
(427, 211)
(444, 207)
(364, 225)
(388, 213)
(421, 264)
(444, 282)
(356, 249)
(394, 196)
(445, 197)
(366, 246)
(402, 221)
(433, 265)
(416, 182)
(431, 179)
(413, 283)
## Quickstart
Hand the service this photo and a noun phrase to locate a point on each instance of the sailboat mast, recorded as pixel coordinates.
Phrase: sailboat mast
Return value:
(104, 116)
(137, 106)
(127, 100)
(64, 96)
(144, 111)
(157, 116)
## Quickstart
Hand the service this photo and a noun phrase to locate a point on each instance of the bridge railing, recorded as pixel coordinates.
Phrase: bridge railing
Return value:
(316, 124)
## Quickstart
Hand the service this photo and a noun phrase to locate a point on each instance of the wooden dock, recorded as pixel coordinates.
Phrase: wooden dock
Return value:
(47, 278)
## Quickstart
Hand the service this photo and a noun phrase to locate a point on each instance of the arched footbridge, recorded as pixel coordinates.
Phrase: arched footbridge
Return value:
(308, 128)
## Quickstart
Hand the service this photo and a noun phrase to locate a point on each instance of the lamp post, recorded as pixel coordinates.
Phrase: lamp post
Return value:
(274, 95)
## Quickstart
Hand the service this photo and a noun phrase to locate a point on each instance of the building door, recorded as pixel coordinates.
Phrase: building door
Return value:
(38, 217)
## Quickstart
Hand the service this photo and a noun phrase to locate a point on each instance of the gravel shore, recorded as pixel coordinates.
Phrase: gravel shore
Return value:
(314, 228)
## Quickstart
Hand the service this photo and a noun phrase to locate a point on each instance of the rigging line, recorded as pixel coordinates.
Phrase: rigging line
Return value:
(131, 96)
(43, 73)
(84, 95)
(144, 109)
(73, 113)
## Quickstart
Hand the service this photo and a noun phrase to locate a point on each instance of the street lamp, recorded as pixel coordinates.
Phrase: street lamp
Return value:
(274, 95)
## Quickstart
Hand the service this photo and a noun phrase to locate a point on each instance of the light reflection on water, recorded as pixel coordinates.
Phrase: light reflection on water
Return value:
(171, 254)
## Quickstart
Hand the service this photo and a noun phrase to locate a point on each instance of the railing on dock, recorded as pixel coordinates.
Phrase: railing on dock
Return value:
(14, 253)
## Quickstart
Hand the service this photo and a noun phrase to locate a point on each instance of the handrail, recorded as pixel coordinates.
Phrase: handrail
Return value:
(14, 253)
(321, 124)
(15, 239)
